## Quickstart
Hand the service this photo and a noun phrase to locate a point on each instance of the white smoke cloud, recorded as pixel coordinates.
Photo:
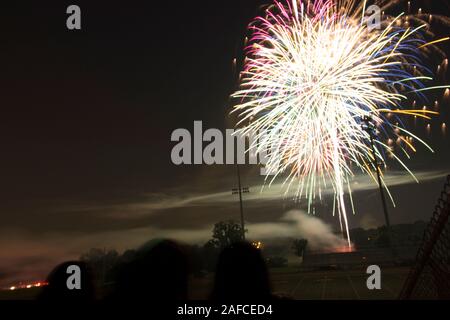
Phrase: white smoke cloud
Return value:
(297, 224)
(293, 224)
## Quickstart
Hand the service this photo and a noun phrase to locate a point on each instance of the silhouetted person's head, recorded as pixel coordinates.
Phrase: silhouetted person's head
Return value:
(241, 274)
(69, 281)
(158, 272)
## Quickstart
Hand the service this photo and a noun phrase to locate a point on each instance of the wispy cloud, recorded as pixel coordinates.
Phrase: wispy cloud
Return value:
(151, 203)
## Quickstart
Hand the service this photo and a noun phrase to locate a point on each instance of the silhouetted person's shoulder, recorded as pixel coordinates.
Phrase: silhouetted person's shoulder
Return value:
(69, 281)
(241, 275)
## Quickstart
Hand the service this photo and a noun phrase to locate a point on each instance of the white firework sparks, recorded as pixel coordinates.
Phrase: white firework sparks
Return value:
(313, 72)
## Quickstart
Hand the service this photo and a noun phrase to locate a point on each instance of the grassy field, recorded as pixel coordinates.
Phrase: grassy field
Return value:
(301, 285)
(322, 285)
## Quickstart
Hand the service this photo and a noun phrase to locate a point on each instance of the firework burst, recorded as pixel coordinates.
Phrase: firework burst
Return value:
(314, 70)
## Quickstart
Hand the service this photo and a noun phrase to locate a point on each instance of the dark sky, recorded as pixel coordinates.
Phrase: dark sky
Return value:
(86, 122)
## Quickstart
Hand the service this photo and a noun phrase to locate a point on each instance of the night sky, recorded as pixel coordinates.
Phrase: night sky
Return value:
(86, 122)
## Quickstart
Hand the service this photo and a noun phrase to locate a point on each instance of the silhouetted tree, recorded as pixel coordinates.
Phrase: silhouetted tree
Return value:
(226, 233)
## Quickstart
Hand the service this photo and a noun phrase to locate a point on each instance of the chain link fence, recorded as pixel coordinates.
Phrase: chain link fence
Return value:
(430, 276)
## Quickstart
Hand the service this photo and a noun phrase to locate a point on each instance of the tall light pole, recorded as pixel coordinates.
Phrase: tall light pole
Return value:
(370, 128)
(239, 190)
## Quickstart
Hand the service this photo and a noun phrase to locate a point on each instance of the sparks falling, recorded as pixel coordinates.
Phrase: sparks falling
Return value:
(314, 70)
